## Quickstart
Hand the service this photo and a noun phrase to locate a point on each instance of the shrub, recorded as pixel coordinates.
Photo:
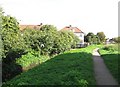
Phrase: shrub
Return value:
(66, 40)
(111, 48)
(31, 59)
(117, 39)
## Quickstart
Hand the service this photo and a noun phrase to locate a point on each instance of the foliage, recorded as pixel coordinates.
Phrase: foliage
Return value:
(9, 24)
(101, 36)
(13, 47)
(54, 41)
(49, 33)
(75, 40)
(31, 38)
(92, 39)
(111, 48)
(117, 39)
(10, 35)
(110, 55)
(31, 59)
(13, 41)
(63, 69)
(43, 40)
(65, 40)
(1, 45)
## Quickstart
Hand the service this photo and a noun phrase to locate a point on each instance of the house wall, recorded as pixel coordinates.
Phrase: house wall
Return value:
(80, 36)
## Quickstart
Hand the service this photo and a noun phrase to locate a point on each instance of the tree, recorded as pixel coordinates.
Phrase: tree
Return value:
(11, 37)
(89, 37)
(10, 24)
(48, 36)
(31, 38)
(95, 39)
(66, 40)
(92, 39)
(75, 40)
(101, 36)
(1, 44)
(54, 41)
(117, 39)
(13, 46)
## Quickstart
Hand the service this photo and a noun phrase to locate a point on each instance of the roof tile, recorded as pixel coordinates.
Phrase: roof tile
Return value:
(74, 29)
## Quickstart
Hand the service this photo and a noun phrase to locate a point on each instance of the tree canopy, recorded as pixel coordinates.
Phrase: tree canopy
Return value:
(117, 39)
(101, 36)
(95, 39)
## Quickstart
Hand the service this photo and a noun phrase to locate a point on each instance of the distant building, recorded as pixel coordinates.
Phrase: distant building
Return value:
(109, 41)
(76, 31)
(22, 27)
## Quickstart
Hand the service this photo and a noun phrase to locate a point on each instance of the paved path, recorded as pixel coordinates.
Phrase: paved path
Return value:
(102, 74)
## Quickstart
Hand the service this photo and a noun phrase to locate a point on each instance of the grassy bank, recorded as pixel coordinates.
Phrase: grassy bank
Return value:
(73, 67)
(110, 56)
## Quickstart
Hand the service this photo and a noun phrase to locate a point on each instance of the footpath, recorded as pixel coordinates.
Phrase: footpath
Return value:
(102, 74)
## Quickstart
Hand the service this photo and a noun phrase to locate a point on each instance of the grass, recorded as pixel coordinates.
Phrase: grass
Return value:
(110, 56)
(73, 67)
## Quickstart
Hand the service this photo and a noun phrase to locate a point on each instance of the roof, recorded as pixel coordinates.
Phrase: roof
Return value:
(22, 27)
(74, 29)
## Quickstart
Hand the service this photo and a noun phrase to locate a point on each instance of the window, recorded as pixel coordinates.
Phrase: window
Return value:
(80, 35)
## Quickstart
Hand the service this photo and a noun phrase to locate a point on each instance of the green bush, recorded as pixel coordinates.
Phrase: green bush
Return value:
(117, 39)
(31, 59)
(91, 38)
(111, 48)
(54, 41)
(65, 41)
(62, 42)
(11, 36)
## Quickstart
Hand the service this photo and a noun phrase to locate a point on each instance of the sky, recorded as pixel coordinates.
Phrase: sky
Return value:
(88, 15)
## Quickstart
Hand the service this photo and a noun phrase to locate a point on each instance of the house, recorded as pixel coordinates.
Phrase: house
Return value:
(76, 31)
(22, 27)
(107, 41)
(111, 41)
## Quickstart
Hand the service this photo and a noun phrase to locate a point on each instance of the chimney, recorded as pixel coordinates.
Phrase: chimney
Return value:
(70, 25)
(40, 24)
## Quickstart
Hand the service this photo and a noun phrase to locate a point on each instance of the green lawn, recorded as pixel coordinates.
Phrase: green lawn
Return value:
(110, 56)
(73, 67)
